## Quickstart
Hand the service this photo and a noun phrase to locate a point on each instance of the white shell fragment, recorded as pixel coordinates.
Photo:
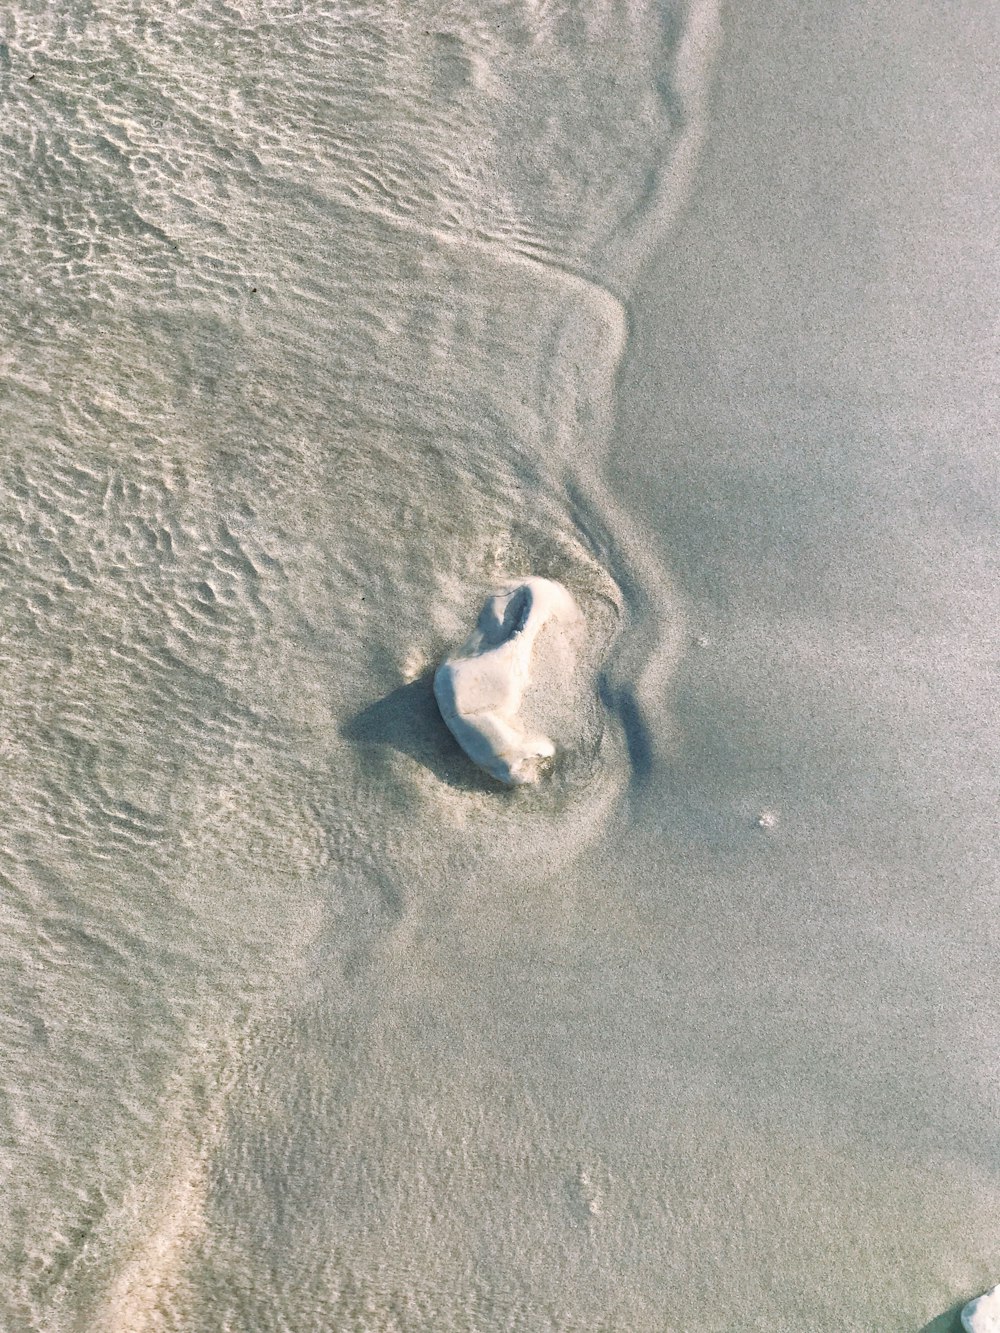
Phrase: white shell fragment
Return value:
(983, 1314)
(479, 687)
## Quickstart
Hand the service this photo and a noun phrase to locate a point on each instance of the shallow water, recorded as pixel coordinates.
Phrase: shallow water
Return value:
(324, 322)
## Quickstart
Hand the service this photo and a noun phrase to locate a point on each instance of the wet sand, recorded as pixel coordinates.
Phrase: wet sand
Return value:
(328, 326)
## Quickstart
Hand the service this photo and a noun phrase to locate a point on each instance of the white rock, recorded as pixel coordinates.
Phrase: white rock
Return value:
(983, 1314)
(479, 687)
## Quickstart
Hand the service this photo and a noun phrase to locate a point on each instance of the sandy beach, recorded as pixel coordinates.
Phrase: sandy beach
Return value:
(328, 324)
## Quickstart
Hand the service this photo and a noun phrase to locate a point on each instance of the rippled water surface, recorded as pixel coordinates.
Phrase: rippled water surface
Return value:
(321, 321)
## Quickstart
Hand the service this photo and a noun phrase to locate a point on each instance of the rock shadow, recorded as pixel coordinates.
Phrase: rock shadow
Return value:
(408, 720)
(949, 1322)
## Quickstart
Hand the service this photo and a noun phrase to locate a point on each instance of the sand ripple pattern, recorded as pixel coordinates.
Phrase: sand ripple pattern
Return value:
(311, 325)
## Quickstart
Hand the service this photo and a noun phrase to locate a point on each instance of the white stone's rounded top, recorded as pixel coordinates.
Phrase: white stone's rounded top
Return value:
(480, 685)
(983, 1314)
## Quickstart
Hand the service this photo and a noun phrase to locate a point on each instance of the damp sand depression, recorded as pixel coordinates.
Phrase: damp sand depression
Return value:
(324, 324)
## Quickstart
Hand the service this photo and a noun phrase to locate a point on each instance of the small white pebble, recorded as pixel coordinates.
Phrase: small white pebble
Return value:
(767, 819)
(701, 641)
(415, 665)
